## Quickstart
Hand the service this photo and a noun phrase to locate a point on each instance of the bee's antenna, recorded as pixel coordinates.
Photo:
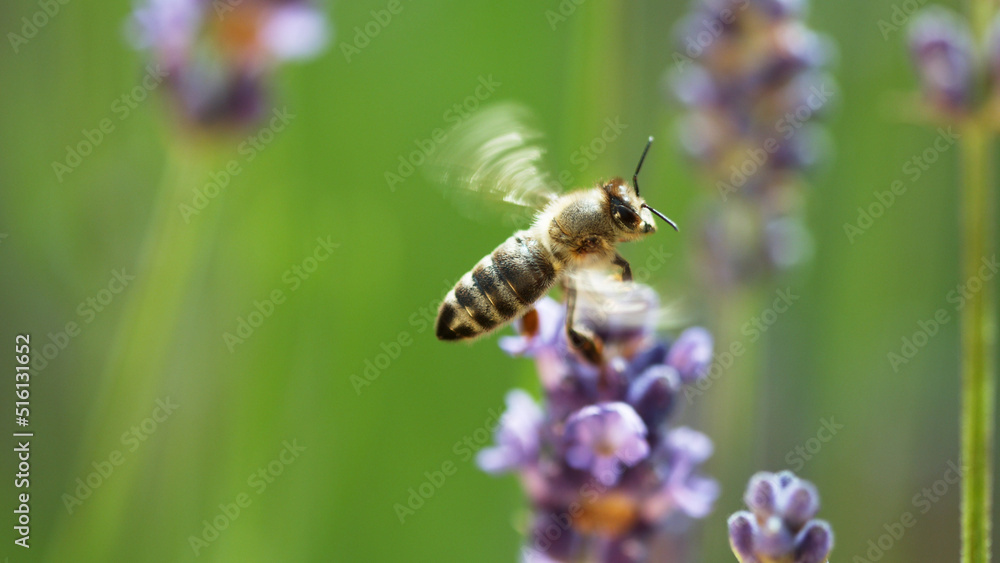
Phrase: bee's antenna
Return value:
(662, 216)
(635, 177)
(635, 184)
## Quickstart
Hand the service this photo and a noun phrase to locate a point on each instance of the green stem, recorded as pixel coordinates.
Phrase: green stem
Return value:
(978, 344)
(981, 17)
(139, 356)
(978, 322)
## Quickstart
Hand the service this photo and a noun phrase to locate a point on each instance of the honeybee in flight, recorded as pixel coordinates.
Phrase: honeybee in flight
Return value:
(493, 154)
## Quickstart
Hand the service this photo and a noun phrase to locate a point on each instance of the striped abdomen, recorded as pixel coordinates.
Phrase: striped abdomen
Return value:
(501, 286)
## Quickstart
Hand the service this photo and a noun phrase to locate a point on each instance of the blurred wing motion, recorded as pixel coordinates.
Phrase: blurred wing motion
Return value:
(494, 156)
(603, 300)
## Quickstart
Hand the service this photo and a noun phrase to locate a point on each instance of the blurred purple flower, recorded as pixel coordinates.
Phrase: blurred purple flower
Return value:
(516, 437)
(546, 338)
(780, 524)
(652, 394)
(601, 436)
(691, 354)
(687, 450)
(941, 48)
(547, 344)
(942, 53)
(218, 56)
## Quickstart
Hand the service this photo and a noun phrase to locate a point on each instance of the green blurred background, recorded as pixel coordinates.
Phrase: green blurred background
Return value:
(323, 176)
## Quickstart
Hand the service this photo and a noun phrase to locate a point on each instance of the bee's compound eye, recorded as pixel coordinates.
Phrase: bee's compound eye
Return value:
(626, 216)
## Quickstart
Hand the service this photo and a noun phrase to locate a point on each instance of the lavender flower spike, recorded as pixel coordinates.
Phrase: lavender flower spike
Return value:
(603, 473)
(779, 528)
(217, 56)
(739, 82)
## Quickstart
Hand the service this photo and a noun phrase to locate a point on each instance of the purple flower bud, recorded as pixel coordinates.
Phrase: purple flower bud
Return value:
(941, 48)
(547, 345)
(762, 494)
(644, 359)
(798, 49)
(742, 532)
(683, 490)
(653, 393)
(814, 543)
(779, 526)
(551, 539)
(516, 437)
(549, 336)
(694, 86)
(691, 354)
(774, 539)
(166, 26)
(601, 437)
(294, 31)
(799, 503)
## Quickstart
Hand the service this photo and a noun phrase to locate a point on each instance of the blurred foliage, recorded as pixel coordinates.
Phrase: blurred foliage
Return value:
(324, 177)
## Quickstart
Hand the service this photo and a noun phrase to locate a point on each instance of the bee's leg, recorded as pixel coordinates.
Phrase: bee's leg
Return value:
(623, 264)
(529, 323)
(582, 340)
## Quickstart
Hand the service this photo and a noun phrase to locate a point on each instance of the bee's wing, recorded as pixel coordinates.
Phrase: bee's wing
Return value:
(495, 155)
(603, 298)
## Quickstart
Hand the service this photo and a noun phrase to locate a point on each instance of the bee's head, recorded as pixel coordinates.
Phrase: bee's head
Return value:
(628, 210)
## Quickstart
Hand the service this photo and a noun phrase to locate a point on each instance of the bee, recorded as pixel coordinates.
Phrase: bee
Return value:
(571, 232)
